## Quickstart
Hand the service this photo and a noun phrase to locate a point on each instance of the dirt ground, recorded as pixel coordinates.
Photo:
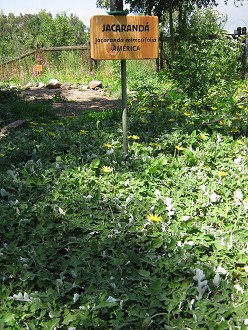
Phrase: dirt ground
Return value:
(69, 102)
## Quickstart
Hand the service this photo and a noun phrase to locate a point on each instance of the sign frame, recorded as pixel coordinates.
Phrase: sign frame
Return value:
(124, 37)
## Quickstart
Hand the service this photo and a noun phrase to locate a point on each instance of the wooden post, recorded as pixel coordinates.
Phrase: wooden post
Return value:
(89, 59)
(172, 32)
(116, 7)
(161, 51)
(2, 72)
(243, 60)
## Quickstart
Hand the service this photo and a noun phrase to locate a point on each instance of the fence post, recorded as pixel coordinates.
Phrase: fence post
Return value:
(89, 59)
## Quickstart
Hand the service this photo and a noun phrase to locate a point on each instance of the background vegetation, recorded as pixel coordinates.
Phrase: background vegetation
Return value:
(93, 240)
(19, 34)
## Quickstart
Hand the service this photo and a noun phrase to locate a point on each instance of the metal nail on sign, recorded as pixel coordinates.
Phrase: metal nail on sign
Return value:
(124, 37)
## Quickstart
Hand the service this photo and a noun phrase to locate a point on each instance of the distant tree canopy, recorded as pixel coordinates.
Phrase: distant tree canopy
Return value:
(165, 8)
(173, 14)
(25, 32)
(147, 5)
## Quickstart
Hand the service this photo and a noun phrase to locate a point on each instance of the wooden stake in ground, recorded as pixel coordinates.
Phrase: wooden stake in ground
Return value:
(116, 7)
(12, 126)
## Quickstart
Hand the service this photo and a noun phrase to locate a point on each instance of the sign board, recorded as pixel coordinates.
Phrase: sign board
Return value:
(123, 37)
(37, 68)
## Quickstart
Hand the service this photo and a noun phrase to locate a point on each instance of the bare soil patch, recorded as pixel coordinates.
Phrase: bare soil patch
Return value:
(69, 102)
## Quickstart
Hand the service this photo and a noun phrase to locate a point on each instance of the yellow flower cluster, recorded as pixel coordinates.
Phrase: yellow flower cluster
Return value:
(179, 148)
(222, 174)
(134, 137)
(202, 136)
(52, 134)
(83, 131)
(33, 123)
(57, 122)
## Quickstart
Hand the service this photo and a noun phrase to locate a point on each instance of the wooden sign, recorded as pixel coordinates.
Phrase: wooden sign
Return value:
(37, 68)
(123, 37)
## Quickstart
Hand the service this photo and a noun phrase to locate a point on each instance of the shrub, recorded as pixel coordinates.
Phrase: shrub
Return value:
(206, 55)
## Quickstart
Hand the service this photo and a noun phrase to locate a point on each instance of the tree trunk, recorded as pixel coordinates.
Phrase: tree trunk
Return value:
(172, 32)
(116, 5)
(180, 16)
(183, 8)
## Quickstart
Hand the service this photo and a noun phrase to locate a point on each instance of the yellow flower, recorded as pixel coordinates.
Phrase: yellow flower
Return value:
(33, 123)
(134, 137)
(179, 148)
(240, 142)
(107, 145)
(222, 174)
(2, 155)
(154, 217)
(197, 103)
(186, 105)
(213, 108)
(107, 169)
(186, 114)
(202, 136)
(155, 144)
(171, 120)
(144, 121)
(83, 131)
(52, 134)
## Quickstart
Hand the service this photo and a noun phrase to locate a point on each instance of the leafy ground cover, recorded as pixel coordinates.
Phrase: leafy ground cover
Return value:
(90, 240)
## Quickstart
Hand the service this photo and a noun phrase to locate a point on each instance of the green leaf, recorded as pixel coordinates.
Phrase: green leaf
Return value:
(144, 273)
(95, 163)
(8, 317)
(157, 243)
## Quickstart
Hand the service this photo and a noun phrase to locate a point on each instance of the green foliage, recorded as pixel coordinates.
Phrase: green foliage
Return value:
(205, 56)
(66, 66)
(157, 241)
(22, 33)
(109, 72)
(90, 239)
(13, 107)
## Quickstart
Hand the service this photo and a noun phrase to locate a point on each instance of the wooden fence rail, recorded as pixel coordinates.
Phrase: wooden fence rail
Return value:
(16, 61)
(47, 49)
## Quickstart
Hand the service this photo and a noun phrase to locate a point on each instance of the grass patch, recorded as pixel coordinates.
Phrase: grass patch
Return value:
(14, 107)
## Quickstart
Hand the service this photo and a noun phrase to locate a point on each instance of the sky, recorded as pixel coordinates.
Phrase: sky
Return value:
(84, 9)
